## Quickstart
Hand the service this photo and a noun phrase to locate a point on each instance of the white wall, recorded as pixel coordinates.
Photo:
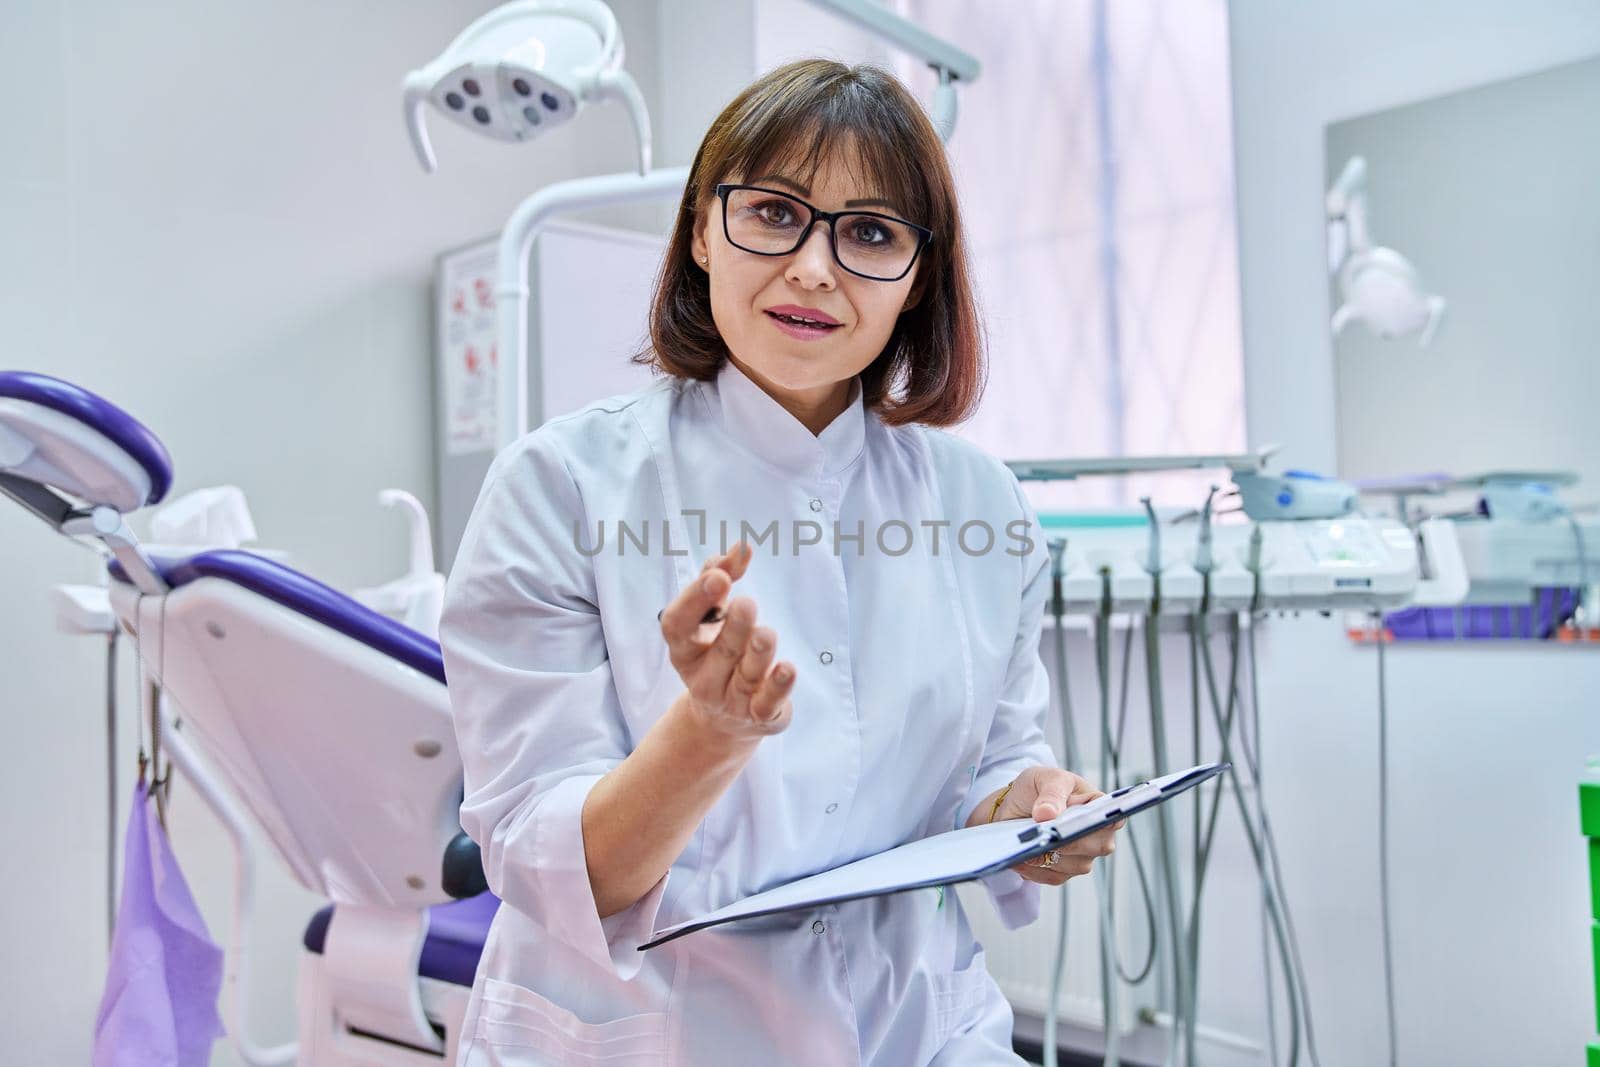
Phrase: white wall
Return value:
(1298, 67)
(1490, 888)
(786, 30)
(211, 215)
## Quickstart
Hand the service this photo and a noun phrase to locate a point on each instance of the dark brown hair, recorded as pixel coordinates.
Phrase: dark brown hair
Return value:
(931, 370)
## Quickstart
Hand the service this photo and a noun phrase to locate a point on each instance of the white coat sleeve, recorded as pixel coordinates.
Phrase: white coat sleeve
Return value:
(536, 711)
(1016, 739)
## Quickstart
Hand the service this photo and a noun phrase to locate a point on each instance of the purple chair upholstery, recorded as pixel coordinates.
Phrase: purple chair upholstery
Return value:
(456, 932)
(1551, 609)
(125, 431)
(310, 598)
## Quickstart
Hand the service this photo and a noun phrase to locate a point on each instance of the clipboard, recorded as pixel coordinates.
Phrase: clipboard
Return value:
(963, 855)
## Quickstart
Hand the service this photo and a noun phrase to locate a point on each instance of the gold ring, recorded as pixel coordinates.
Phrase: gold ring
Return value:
(1051, 857)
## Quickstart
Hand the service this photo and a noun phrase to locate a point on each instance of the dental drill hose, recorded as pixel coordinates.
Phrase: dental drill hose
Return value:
(1300, 988)
(1158, 745)
(1165, 844)
(1204, 561)
(1069, 735)
(1200, 645)
(1263, 846)
(1272, 885)
(1264, 849)
(1383, 838)
(1261, 793)
(1111, 774)
(1058, 547)
(1253, 565)
(1265, 852)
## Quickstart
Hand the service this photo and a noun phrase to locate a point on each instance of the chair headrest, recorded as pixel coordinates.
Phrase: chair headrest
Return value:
(118, 463)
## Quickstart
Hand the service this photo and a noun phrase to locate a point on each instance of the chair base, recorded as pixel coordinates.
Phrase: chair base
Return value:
(327, 1041)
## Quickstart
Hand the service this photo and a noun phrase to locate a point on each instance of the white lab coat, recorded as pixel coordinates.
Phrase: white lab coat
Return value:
(920, 690)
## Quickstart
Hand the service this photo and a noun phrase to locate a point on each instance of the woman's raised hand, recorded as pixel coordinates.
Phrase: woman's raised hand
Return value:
(732, 686)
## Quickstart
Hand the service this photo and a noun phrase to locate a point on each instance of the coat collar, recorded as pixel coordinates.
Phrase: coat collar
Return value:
(759, 422)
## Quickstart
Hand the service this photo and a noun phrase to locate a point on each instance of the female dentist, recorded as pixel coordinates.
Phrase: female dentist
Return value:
(814, 325)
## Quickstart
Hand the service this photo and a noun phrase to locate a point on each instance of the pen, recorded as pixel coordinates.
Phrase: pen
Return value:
(713, 615)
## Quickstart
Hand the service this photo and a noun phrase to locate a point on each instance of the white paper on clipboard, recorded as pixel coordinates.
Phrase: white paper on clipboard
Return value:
(949, 858)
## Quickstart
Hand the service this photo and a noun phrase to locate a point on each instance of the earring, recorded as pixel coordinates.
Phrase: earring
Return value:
(702, 260)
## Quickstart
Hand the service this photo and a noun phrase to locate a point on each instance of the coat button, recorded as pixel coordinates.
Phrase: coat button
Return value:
(826, 657)
(818, 926)
(816, 505)
(832, 808)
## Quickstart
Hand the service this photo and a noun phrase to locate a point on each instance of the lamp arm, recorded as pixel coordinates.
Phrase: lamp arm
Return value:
(908, 35)
(950, 62)
(416, 106)
(619, 85)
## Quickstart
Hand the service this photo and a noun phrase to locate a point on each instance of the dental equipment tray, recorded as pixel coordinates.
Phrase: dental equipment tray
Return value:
(949, 858)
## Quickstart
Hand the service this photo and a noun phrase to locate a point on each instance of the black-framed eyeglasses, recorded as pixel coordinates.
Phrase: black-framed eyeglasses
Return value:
(868, 244)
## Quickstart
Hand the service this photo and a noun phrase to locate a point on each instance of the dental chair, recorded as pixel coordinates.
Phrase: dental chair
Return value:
(280, 697)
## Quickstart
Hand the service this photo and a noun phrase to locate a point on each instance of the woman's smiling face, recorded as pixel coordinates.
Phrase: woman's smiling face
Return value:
(807, 371)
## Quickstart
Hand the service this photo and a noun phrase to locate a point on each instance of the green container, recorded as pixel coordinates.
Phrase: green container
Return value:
(1594, 931)
(1594, 1055)
(1589, 808)
(1594, 880)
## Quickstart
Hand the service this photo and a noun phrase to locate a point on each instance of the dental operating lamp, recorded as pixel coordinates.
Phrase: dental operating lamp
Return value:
(525, 68)
(516, 72)
(531, 65)
(1379, 286)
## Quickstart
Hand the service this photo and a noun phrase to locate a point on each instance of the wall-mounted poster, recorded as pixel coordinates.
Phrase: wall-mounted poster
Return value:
(589, 299)
(468, 360)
